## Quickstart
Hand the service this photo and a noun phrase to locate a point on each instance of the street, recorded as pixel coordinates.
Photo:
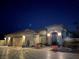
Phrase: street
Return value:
(32, 53)
(46, 54)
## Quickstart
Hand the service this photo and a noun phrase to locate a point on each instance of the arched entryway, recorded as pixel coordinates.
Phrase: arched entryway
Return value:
(54, 38)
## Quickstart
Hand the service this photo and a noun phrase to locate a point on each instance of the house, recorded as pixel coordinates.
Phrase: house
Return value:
(29, 37)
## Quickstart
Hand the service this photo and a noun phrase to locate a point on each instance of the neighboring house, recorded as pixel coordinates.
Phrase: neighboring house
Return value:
(29, 37)
(22, 38)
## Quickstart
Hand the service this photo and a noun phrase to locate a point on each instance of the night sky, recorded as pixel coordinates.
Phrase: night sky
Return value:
(17, 15)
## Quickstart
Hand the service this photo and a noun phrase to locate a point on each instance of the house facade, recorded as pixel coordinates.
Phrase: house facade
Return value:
(29, 37)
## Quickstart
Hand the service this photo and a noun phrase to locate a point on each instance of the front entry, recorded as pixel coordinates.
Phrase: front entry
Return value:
(54, 38)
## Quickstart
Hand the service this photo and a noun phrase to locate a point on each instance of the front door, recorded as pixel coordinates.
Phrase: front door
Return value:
(54, 38)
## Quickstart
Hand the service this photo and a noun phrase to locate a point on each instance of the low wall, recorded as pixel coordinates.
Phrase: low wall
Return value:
(2, 42)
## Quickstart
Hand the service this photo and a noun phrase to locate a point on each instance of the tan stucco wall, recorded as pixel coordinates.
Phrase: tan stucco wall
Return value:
(2, 42)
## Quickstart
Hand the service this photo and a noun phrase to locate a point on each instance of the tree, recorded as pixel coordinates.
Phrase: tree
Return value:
(76, 23)
(76, 32)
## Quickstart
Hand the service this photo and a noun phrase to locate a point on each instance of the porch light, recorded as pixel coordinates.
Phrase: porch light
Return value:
(48, 34)
(59, 33)
(23, 38)
(4, 38)
(9, 39)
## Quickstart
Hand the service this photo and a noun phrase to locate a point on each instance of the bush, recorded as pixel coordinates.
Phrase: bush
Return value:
(71, 44)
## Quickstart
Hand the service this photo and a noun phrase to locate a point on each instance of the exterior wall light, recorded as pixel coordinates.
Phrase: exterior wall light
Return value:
(48, 34)
(23, 38)
(5, 38)
(9, 38)
(59, 33)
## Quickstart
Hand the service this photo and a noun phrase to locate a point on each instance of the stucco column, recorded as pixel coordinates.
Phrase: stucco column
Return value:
(49, 40)
(37, 39)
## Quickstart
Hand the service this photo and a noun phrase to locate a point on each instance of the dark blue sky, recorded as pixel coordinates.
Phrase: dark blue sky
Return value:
(17, 15)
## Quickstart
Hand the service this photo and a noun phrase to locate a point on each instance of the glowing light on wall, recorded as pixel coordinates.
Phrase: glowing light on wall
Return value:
(4, 38)
(48, 34)
(9, 38)
(23, 38)
(59, 33)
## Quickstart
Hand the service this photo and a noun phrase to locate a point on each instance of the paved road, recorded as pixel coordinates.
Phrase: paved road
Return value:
(31, 53)
(45, 54)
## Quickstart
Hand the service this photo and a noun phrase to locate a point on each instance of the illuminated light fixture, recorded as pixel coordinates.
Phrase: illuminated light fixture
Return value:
(48, 34)
(9, 39)
(23, 38)
(5, 38)
(59, 33)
